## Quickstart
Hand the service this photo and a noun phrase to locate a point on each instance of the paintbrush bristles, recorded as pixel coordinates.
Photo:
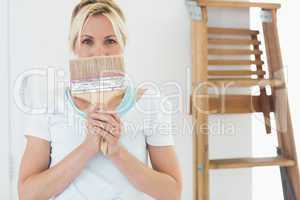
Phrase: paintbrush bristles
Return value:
(95, 67)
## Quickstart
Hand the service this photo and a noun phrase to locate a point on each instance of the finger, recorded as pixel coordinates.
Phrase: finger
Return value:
(116, 117)
(114, 131)
(112, 113)
(105, 126)
(109, 138)
(96, 116)
(91, 130)
(112, 117)
(105, 118)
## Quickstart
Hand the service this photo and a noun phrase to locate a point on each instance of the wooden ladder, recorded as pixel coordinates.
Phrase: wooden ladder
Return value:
(203, 103)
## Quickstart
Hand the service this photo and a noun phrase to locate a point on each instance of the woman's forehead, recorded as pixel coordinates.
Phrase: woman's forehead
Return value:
(98, 26)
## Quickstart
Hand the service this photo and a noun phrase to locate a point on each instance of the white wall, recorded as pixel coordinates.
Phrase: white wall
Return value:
(4, 102)
(158, 50)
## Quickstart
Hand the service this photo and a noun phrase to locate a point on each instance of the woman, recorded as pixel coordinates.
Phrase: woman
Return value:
(61, 164)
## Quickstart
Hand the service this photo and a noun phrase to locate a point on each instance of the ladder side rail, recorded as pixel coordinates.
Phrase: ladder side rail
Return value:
(199, 100)
(280, 99)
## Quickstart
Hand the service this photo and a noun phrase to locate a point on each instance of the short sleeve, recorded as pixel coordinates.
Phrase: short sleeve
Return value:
(36, 117)
(161, 124)
(36, 125)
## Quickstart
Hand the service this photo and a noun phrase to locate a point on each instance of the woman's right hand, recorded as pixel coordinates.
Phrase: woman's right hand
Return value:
(97, 122)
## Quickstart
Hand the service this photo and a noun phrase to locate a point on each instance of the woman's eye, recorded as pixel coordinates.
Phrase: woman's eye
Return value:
(110, 42)
(87, 42)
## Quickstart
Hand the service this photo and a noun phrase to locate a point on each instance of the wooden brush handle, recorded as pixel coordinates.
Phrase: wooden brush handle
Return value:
(103, 145)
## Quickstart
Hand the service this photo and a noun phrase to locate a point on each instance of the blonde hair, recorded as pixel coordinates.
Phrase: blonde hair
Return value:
(87, 8)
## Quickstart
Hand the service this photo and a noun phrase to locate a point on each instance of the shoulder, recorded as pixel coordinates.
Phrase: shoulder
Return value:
(41, 104)
(153, 101)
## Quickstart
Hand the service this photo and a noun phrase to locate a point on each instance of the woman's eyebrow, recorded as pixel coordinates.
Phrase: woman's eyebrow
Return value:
(85, 35)
(109, 36)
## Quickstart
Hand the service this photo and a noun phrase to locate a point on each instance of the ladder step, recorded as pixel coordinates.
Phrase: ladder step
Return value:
(239, 4)
(245, 82)
(235, 72)
(234, 62)
(231, 31)
(250, 162)
(213, 51)
(233, 42)
(237, 104)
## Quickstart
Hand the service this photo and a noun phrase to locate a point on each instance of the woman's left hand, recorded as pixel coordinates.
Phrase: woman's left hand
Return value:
(109, 126)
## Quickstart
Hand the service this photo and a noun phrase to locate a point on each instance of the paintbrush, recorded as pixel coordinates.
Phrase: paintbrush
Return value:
(101, 80)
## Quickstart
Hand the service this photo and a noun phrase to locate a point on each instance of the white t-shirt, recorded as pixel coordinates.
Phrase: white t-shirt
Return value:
(147, 123)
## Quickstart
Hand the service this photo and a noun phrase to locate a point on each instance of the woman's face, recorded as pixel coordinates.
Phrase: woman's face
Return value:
(97, 38)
